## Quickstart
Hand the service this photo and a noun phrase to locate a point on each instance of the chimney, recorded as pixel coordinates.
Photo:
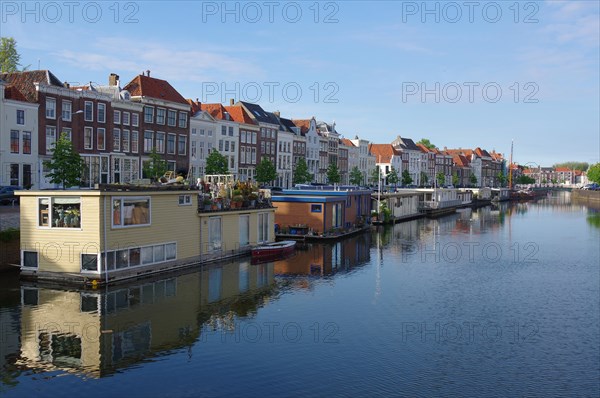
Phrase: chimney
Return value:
(277, 113)
(113, 79)
(66, 84)
(231, 101)
(148, 72)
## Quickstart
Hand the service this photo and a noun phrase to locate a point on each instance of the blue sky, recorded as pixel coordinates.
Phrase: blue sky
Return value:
(461, 74)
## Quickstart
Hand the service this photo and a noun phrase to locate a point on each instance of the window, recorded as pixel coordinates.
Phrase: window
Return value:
(182, 144)
(316, 208)
(193, 150)
(20, 116)
(148, 114)
(89, 262)
(50, 108)
(131, 211)
(194, 131)
(244, 230)
(67, 132)
(171, 118)
(135, 119)
(126, 116)
(26, 175)
(160, 142)
(232, 146)
(134, 141)
(223, 130)
(101, 112)
(230, 131)
(89, 111)
(185, 200)
(50, 138)
(125, 140)
(148, 141)
(14, 174)
(135, 256)
(214, 233)
(30, 259)
(227, 145)
(171, 144)
(254, 134)
(101, 137)
(59, 212)
(183, 120)
(117, 117)
(263, 227)
(210, 133)
(14, 141)
(160, 115)
(27, 142)
(117, 140)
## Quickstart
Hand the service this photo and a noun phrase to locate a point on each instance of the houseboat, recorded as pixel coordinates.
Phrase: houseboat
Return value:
(396, 206)
(439, 201)
(500, 194)
(321, 212)
(111, 233)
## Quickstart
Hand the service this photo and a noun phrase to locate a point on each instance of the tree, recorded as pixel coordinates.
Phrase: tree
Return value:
(583, 166)
(525, 180)
(473, 179)
(301, 174)
(156, 167)
(216, 163)
(375, 176)
(440, 178)
(9, 57)
(455, 179)
(392, 177)
(501, 178)
(333, 174)
(426, 143)
(406, 178)
(593, 173)
(356, 176)
(66, 165)
(424, 178)
(265, 171)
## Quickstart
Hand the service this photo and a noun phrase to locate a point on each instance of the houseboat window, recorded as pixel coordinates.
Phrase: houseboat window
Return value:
(30, 259)
(110, 260)
(131, 212)
(214, 233)
(171, 251)
(316, 208)
(147, 255)
(159, 253)
(263, 227)
(122, 258)
(135, 256)
(65, 212)
(89, 262)
(185, 200)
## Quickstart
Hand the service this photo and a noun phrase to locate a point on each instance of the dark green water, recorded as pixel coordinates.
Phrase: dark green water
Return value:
(501, 301)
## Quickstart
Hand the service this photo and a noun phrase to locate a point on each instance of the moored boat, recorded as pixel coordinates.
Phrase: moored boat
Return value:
(273, 251)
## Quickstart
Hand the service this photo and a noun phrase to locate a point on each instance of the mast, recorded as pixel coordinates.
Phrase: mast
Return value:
(510, 163)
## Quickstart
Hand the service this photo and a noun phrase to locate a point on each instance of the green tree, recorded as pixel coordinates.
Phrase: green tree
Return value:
(426, 143)
(455, 179)
(406, 178)
(525, 180)
(424, 178)
(265, 171)
(356, 176)
(333, 174)
(156, 167)
(473, 179)
(392, 177)
(440, 178)
(301, 174)
(9, 57)
(375, 176)
(66, 165)
(501, 178)
(583, 166)
(216, 163)
(593, 173)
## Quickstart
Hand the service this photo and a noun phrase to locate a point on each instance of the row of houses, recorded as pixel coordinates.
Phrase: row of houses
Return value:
(115, 128)
(553, 175)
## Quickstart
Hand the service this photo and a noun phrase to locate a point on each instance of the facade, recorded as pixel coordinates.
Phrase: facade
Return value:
(108, 235)
(412, 157)
(308, 129)
(366, 161)
(249, 132)
(387, 157)
(165, 120)
(285, 141)
(429, 161)
(18, 138)
(203, 129)
(227, 135)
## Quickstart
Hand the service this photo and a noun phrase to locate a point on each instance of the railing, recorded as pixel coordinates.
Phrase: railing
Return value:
(212, 208)
(434, 204)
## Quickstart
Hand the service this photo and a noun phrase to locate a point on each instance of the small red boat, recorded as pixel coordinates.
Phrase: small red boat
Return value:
(273, 251)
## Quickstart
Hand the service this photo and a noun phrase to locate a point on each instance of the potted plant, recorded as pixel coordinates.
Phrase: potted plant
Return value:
(207, 203)
(252, 198)
(236, 201)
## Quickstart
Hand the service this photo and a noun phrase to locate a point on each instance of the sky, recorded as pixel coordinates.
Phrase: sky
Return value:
(462, 74)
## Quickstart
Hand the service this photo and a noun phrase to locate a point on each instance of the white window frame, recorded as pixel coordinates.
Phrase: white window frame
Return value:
(50, 108)
(89, 104)
(87, 271)
(117, 117)
(122, 213)
(37, 262)
(101, 112)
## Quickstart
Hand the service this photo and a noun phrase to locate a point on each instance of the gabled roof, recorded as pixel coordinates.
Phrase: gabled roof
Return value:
(12, 93)
(194, 105)
(303, 124)
(460, 160)
(258, 113)
(239, 115)
(152, 87)
(405, 143)
(482, 152)
(424, 149)
(460, 151)
(24, 81)
(563, 169)
(347, 142)
(383, 152)
(289, 125)
(217, 111)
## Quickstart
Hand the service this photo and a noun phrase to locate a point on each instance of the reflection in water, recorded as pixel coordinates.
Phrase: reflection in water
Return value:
(96, 332)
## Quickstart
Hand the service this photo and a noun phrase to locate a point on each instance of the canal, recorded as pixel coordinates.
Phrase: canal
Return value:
(502, 300)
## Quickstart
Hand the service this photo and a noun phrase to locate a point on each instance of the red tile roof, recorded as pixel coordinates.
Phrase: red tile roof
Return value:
(460, 160)
(195, 106)
(25, 81)
(152, 87)
(11, 92)
(562, 169)
(347, 142)
(424, 149)
(383, 152)
(239, 115)
(303, 124)
(215, 110)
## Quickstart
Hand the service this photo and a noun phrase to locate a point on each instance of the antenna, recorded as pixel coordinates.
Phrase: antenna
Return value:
(38, 64)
